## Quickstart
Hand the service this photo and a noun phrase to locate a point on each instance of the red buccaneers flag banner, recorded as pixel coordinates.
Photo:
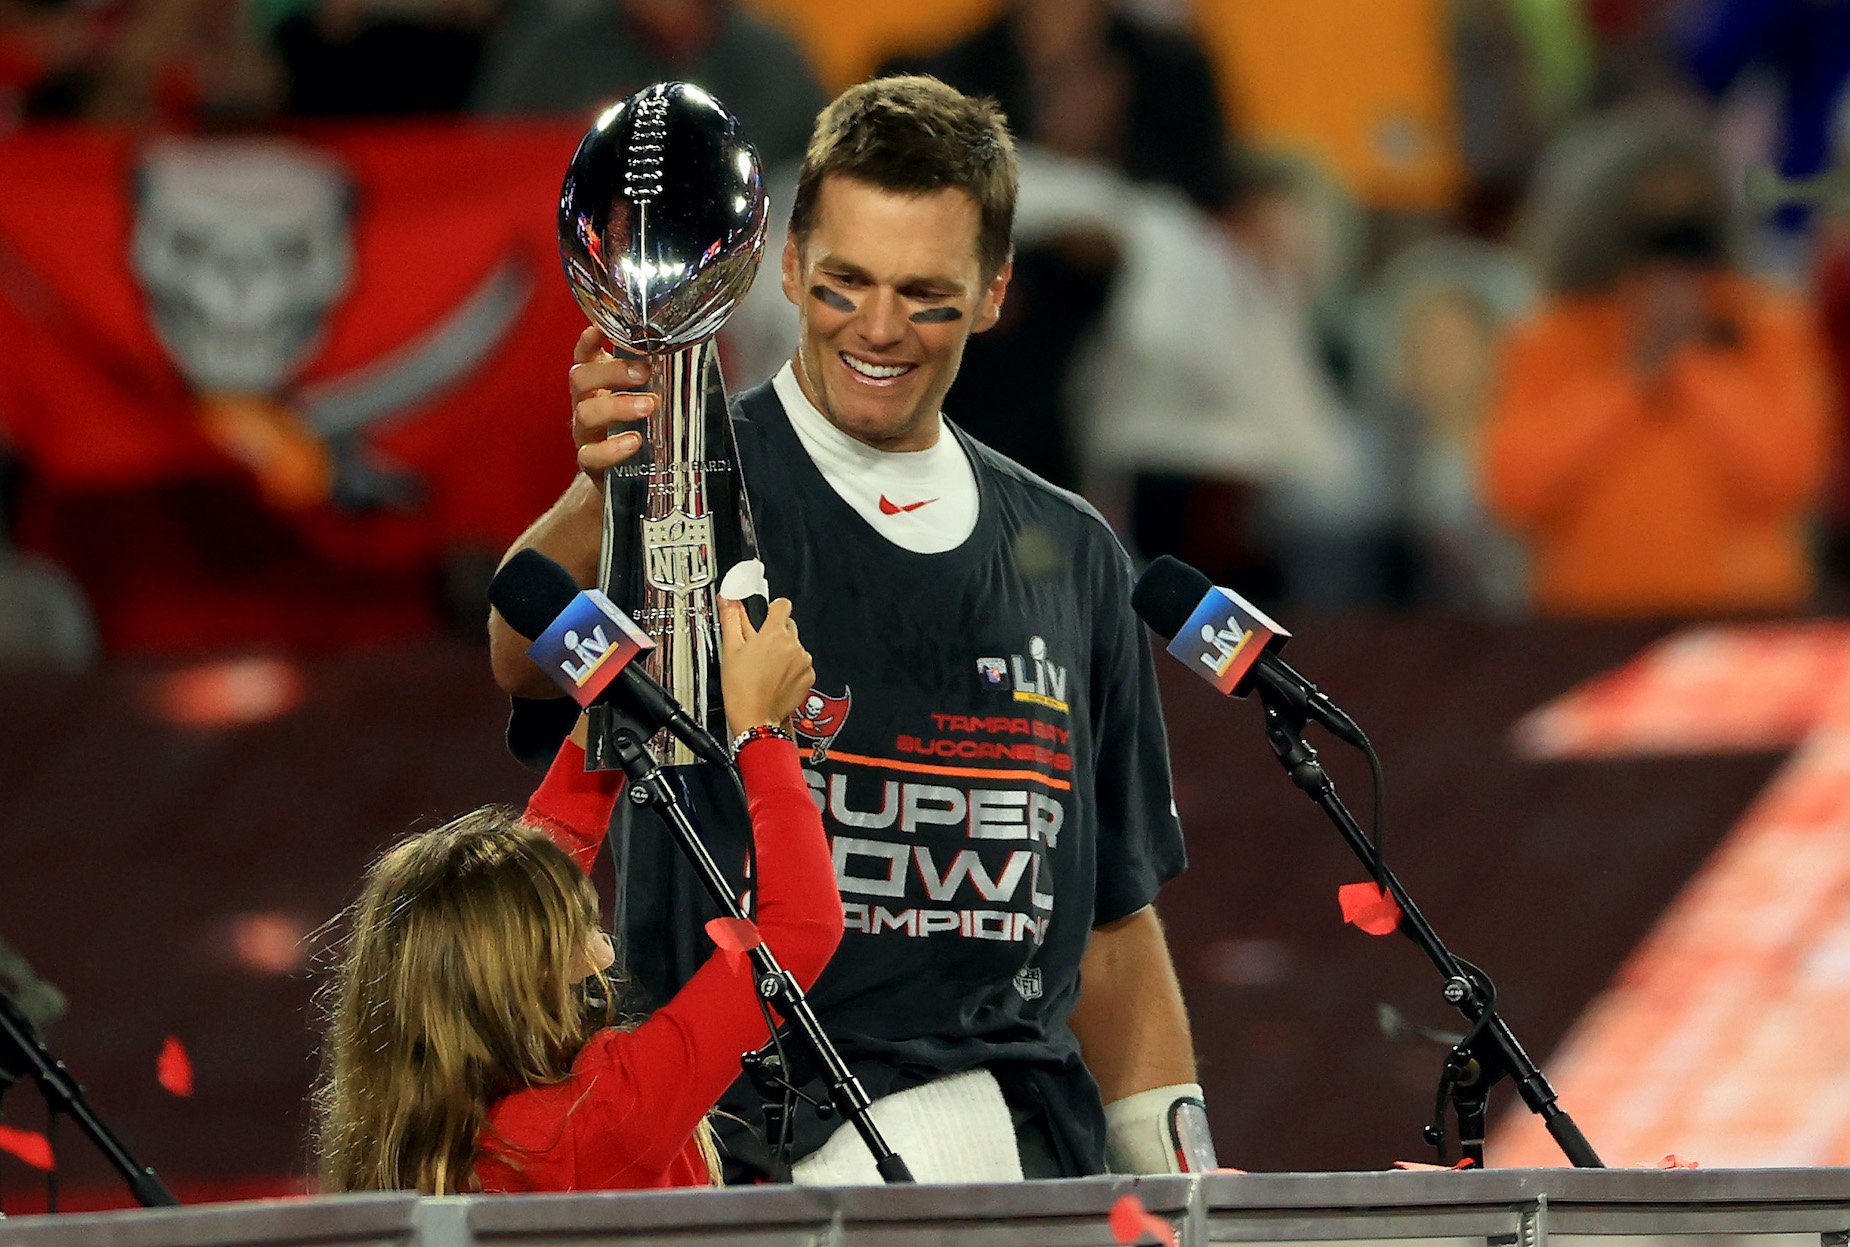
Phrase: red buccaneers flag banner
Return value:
(282, 389)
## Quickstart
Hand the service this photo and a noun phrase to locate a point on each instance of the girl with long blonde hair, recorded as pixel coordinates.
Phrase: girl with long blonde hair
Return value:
(472, 1045)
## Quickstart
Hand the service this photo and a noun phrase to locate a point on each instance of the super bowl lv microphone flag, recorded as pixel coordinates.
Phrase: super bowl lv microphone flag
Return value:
(586, 644)
(1228, 641)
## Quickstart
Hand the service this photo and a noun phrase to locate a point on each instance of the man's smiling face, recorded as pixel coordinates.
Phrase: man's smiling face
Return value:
(888, 289)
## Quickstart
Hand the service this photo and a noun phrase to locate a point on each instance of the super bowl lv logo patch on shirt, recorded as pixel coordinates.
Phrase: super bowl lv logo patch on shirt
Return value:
(1037, 678)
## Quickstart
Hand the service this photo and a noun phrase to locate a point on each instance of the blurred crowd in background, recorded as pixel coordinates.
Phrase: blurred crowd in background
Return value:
(1487, 306)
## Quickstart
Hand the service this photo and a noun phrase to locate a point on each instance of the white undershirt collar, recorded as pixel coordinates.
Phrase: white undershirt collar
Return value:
(924, 501)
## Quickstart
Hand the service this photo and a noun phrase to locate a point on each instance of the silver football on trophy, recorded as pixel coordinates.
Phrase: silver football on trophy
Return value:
(662, 219)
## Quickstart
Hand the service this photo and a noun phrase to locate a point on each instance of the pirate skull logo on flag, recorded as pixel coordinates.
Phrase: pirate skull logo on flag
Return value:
(819, 720)
(245, 250)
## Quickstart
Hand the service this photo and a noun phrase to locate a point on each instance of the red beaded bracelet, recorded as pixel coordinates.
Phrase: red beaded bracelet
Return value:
(764, 731)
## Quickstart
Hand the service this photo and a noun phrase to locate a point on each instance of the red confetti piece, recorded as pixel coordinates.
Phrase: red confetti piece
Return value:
(1131, 1222)
(174, 1069)
(1672, 1161)
(1415, 1166)
(29, 1146)
(1368, 906)
(734, 937)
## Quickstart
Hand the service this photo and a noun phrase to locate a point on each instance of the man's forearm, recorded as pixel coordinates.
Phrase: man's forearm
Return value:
(1130, 1021)
(571, 533)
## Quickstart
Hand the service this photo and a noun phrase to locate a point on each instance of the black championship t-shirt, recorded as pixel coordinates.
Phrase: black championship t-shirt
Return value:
(986, 747)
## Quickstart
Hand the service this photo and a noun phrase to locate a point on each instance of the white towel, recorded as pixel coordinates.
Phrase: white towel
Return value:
(953, 1129)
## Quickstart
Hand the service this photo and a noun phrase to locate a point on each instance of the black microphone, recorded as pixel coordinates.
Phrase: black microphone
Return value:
(1232, 644)
(532, 590)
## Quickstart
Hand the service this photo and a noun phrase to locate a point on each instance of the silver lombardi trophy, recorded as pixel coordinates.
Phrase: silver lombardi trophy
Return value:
(661, 225)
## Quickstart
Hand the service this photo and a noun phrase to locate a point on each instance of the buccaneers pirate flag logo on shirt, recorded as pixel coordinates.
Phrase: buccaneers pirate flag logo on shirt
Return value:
(819, 720)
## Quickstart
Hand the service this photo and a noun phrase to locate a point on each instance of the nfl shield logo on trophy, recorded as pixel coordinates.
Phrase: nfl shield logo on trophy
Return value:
(678, 551)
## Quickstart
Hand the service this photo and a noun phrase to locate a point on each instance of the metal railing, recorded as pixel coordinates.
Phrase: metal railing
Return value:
(1496, 1208)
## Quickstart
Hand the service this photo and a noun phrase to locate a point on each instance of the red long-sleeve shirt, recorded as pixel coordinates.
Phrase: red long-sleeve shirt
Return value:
(626, 1116)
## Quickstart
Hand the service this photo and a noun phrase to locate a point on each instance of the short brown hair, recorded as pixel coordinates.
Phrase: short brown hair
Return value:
(913, 135)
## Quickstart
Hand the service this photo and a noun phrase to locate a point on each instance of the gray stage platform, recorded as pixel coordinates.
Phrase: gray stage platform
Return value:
(1498, 1208)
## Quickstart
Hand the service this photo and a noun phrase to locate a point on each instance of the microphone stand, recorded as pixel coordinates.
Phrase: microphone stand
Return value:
(649, 787)
(22, 1054)
(1488, 1052)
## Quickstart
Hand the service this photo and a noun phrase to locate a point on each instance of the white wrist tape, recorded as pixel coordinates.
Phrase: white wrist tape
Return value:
(1162, 1130)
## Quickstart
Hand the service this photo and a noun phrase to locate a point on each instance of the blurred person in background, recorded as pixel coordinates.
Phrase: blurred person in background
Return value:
(1495, 73)
(46, 50)
(1635, 55)
(557, 56)
(1206, 398)
(1303, 232)
(1558, 53)
(1081, 80)
(359, 58)
(1297, 523)
(1661, 433)
(179, 59)
(1802, 49)
(1777, 70)
(1146, 349)
(1428, 339)
(179, 64)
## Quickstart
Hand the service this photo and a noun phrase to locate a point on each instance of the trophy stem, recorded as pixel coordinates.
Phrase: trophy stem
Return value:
(668, 580)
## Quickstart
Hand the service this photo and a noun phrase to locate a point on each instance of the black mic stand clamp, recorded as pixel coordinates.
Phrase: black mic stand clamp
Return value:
(778, 1093)
(22, 1055)
(1489, 1051)
(649, 787)
(776, 1100)
(1465, 1084)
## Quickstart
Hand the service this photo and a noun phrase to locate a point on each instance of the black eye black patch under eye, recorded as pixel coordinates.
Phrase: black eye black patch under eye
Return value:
(936, 315)
(834, 299)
